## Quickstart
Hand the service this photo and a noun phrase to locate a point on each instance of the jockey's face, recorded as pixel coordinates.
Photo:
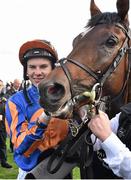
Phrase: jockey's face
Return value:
(38, 69)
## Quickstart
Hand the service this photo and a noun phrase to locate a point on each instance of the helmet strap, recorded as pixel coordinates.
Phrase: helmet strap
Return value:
(25, 72)
(25, 94)
(25, 86)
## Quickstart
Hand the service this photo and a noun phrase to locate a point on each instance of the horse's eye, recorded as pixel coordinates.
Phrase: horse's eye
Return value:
(111, 42)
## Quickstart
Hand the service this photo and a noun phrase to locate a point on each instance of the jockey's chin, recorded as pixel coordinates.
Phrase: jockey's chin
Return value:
(36, 82)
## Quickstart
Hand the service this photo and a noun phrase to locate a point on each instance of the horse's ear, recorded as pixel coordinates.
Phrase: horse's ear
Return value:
(122, 9)
(94, 10)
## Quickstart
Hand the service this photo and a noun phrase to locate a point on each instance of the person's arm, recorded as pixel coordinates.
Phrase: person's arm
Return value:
(27, 136)
(23, 132)
(118, 157)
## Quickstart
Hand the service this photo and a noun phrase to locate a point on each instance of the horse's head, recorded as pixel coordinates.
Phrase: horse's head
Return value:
(97, 62)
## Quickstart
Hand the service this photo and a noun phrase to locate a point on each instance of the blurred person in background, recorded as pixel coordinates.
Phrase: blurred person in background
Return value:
(3, 153)
(12, 88)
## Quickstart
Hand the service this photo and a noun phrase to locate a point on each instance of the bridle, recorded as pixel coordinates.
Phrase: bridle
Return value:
(101, 77)
(80, 134)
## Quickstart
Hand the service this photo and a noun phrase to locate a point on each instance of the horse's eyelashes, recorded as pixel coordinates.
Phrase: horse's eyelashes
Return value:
(111, 42)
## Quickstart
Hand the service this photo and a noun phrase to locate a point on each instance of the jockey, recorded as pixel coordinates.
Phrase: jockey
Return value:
(32, 131)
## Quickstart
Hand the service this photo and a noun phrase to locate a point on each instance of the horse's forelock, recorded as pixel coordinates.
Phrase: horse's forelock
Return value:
(104, 18)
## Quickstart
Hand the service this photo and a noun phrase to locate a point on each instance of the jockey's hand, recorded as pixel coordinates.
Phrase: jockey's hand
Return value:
(100, 126)
(44, 118)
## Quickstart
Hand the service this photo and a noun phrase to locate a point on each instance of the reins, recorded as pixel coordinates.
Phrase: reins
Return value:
(68, 149)
(82, 139)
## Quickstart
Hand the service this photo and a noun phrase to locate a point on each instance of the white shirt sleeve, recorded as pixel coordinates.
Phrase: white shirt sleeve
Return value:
(118, 156)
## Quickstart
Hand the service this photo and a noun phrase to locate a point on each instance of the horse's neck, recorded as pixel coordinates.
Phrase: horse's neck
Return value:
(114, 107)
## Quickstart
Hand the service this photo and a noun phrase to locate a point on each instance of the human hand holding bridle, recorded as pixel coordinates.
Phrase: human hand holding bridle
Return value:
(100, 126)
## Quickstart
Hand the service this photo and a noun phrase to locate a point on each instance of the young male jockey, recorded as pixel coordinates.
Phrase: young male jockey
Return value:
(33, 132)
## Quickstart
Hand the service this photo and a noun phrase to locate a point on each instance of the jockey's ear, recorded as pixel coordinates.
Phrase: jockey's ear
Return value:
(122, 9)
(94, 10)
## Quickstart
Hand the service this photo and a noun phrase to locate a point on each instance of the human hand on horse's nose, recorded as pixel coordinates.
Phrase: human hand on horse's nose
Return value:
(100, 126)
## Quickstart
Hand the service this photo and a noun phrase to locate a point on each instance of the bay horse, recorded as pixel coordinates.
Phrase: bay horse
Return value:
(100, 57)
(96, 72)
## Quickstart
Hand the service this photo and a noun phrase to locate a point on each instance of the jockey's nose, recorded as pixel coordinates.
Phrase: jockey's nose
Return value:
(38, 71)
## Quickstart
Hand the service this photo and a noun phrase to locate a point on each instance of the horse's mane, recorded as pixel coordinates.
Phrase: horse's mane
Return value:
(104, 18)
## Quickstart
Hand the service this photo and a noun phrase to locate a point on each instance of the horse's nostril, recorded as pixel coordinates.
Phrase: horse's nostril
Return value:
(54, 92)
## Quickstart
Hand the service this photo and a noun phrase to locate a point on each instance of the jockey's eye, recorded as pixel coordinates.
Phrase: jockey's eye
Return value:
(111, 42)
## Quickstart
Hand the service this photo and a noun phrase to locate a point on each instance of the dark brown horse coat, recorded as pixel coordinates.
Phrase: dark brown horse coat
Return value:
(101, 54)
(98, 49)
